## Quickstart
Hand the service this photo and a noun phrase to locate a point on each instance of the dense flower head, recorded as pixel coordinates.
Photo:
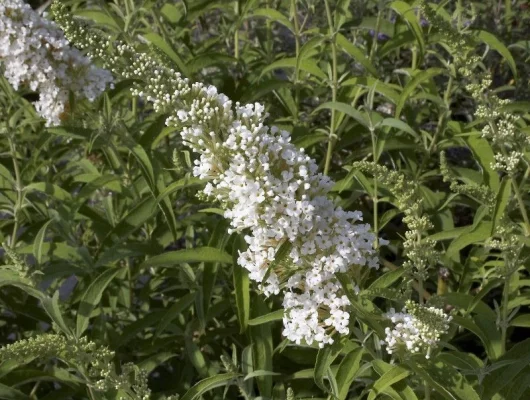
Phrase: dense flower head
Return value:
(272, 192)
(34, 52)
(417, 328)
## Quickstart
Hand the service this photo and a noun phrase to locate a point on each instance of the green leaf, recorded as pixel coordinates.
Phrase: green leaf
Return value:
(409, 15)
(325, 358)
(388, 216)
(399, 125)
(157, 359)
(390, 92)
(492, 346)
(208, 384)
(140, 214)
(514, 361)
(262, 347)
(199, 254)
(101, 18)
(414, 83)
(492, 41)
(522, 321)
(439, 387)
(95, 182)
(503, 198)
(50, 189)
(273, 15)
(9, 393)
(6, 174)
(483, 292)
(179, 185)
(91, 299)
(168, 50)
(145, 164)
(307, 65)
(260, 372)
(39, 240)
(270, 317)
(393, 375)
(206, 60)
(387, 279)
(258, 91)
(477, 235)
(174, 311)
(356, 53)
(51, 306)
(343, 108)
(171, 13)
(242, 289)
(154, 132)
(348, 369)
(195, 355)
(483, 153)
(218, 239)
(449, 234)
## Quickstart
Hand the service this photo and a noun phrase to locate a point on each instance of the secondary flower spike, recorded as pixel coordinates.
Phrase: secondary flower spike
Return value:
(34, 51)
(271, 190)
(417, 328)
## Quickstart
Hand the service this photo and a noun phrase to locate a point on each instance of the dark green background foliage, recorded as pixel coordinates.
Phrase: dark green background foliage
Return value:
(107, 216)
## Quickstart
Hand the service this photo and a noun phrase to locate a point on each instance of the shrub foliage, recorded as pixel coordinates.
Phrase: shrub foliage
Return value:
(131, 254)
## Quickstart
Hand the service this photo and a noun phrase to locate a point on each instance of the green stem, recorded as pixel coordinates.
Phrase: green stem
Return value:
(268, 25)
(33, 392)
(522, 207)
(18, 190)
(294, 16)
(375, 42)
(504, 313)
(508, 15)
(331, 141)
(420, 290)
(441, 123)
(236, 33)
(375, 197)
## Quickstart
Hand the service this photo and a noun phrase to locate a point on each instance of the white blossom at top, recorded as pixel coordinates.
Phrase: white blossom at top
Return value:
(416, 329)
(34, 52)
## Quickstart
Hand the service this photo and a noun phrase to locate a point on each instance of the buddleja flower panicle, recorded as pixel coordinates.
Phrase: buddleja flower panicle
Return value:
(34, 52)
(270, 189)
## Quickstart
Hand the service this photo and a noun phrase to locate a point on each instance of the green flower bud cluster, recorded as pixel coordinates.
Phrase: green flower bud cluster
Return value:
(506, 240)
(93, 362)
(20, 267)
(479, 192)
(500, 127)
(421, 253)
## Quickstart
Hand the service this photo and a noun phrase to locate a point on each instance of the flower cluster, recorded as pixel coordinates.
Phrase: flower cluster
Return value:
(271, 191)
(34, 51)
(421, 252)
(500, 125)
(501, 129)
(417, 328)
(82, 354)
(297, 239)
(478, 191)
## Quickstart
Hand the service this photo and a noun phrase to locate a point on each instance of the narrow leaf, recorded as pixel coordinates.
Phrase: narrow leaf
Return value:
(91, 299)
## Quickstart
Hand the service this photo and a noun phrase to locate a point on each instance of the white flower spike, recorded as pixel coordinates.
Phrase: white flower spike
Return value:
(34, 52)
